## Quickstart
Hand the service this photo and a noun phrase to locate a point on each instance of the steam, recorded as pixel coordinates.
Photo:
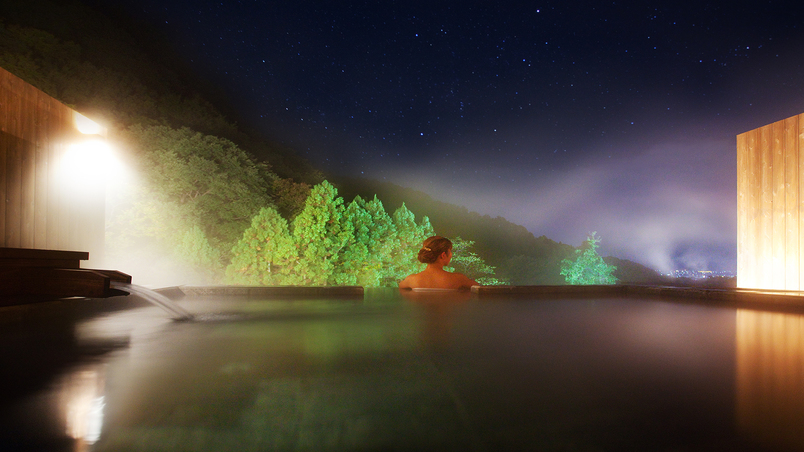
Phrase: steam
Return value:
(668, 207)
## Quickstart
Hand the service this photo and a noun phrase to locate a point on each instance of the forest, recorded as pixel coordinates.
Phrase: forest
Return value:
(228, 205)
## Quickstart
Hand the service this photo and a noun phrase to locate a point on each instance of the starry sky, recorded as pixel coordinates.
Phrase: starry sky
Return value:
(564, 116)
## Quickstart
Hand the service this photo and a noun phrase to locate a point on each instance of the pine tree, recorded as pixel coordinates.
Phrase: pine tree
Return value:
(355, 255)
(320, 232)
(410, 237)
(466, 261)
(265, 254)
(383, 240)
(588, 267)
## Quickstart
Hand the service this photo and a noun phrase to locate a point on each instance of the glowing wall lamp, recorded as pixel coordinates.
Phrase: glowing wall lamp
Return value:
(87, 170)
(90, 160)
(87, 126)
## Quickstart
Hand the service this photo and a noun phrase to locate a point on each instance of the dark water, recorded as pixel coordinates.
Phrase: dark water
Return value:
(391, 373)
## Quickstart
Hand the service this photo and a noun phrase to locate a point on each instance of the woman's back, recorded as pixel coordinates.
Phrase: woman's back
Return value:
(432, 278)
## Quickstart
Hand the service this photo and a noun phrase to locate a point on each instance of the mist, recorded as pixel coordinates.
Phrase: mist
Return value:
(670, 206)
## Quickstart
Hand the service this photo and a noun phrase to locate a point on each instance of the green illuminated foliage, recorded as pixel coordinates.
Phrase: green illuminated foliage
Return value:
(209, 180)
(289, 196)
(409, 239)
(265, 254)
(355, 258)
(320, 232)
(383, 240)
(588, 267)
(368, 253)
(195, 196)
(466, 261)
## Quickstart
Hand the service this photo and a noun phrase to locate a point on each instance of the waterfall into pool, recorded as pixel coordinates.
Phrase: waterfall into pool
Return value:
(154, 298)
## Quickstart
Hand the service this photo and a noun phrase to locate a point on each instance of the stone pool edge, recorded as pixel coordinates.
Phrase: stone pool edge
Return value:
(781, 298)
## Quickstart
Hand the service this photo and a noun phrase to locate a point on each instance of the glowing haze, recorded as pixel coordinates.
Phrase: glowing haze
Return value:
(565, 117)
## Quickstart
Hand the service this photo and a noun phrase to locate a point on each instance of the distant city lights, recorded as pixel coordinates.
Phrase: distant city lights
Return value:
(700, 274)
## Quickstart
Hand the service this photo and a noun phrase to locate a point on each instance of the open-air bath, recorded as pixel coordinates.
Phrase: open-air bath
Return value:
(386, 372)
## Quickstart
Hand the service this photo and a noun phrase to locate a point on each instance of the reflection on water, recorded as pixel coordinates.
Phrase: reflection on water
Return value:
(421, 372)
(437, 312)
(83, 402)
(770, 377)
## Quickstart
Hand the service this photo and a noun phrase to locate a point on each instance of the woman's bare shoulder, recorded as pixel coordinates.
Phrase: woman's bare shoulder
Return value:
(410, 281)
(464, 281)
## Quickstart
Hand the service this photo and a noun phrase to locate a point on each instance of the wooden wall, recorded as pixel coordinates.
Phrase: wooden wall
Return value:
(36, 211)
(770, 197)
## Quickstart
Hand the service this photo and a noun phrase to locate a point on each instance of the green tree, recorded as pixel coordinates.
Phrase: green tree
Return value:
(265, 253)
(194, 196)
(320, 232)
(199, 256)
(383, 241)
(289, 196)
(368, 253)
(588, 267)
(410, 237)
(209, 181)
(355, 255)
(466, 261)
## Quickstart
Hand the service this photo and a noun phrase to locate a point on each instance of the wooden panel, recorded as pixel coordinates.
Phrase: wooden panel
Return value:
(766, 207)
(42, 178)
(751, 236)
(779, 226)
(55, 221)
(5, 105)
(17, 253)
(800, 151)
(28, 183)
(791, 163)
(756, 202)
(745, 211)
(4, 139)
(770, 199)
(13, 174)
(33, 208)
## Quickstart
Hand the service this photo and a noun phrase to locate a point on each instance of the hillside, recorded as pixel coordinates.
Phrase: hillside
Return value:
(106, 66)
(519, 256)
(110, 70)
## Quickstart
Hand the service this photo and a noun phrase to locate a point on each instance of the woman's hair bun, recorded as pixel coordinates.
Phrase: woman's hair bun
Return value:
(432, 248)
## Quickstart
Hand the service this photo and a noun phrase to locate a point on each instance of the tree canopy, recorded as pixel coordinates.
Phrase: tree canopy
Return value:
(588, 267)
(328, 243)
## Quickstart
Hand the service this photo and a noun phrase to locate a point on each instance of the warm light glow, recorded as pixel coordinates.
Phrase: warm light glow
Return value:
(90, 162)
(770, 357)
(86, 125)
(770, 238)
(84, 403)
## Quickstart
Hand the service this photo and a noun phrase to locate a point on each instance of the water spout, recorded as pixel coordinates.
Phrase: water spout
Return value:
(154, 298)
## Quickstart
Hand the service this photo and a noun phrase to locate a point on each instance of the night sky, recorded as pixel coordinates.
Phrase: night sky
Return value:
(565, 117)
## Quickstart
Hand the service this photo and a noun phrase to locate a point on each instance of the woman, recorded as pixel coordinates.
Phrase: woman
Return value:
(436, 252)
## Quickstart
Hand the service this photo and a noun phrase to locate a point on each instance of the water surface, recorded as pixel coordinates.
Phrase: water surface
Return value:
(431, 372)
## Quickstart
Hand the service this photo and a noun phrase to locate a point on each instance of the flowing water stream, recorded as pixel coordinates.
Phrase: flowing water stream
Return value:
(155, 298)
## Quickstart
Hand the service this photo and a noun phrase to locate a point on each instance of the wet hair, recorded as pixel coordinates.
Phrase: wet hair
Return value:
(432, 248)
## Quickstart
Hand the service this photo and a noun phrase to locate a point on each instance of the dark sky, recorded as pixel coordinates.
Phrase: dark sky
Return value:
(565, 117)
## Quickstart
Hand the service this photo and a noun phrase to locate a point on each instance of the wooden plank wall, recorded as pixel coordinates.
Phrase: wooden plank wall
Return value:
(35, 212)
(770, 197)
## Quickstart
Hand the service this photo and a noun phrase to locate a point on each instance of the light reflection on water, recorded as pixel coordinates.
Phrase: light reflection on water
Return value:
(83, 404)
(770, 377)
(450, 374)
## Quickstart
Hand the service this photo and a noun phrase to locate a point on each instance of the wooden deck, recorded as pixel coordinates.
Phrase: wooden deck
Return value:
(30, 275)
